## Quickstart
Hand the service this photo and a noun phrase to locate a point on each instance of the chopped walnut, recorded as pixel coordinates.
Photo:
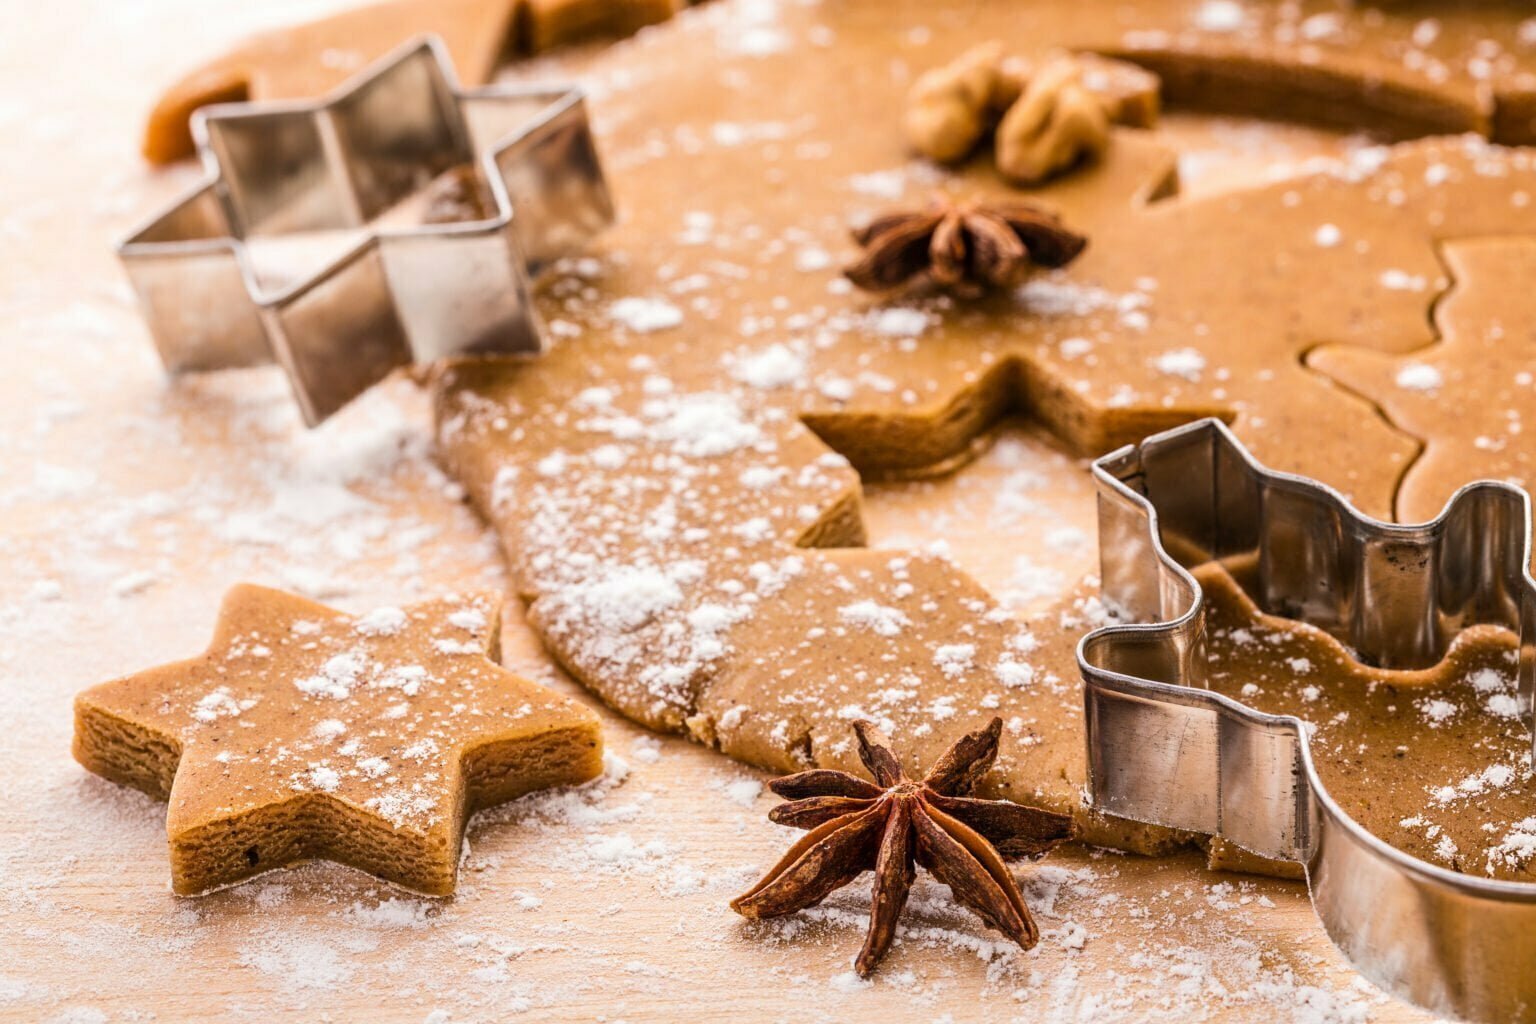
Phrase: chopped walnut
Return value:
(950, 108)
(1130, 93)
(1055, 125)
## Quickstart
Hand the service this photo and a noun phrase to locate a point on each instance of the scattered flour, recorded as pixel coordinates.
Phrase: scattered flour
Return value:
(877, 618)
(644, 315)
(1419, 377)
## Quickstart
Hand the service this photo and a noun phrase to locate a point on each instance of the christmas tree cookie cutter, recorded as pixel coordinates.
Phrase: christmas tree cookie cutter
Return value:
(1163, 749)
(316, 239)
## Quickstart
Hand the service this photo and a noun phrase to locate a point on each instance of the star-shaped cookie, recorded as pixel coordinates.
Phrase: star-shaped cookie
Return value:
(305, 733)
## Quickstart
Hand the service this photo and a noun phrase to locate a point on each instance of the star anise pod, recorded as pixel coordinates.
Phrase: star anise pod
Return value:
(970, 243)
(890, 824)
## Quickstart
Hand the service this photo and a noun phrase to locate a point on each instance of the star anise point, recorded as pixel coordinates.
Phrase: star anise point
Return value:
(894, 824)
(964, 245)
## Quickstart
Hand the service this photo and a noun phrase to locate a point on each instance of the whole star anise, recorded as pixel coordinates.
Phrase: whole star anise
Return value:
(969, 243)
(889, 825)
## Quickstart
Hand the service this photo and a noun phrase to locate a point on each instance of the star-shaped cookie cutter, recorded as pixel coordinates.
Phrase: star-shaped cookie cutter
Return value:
(398, 220)
(1163, 749)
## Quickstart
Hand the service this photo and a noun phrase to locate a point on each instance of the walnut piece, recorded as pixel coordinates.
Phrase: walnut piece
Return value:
(950, 108)
(1048, 115)
(1130, 93)
(1055, 125)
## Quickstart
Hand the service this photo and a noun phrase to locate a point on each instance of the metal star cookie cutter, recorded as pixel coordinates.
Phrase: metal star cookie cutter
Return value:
(1162, 749)
(395, 221)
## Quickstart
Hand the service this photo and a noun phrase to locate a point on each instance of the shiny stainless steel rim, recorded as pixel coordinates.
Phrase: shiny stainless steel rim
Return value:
(397, 293)
(1164, 750)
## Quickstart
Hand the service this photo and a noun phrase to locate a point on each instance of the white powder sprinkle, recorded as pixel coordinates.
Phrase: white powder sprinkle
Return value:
(881, 184)
(1402, 281)
(1074, 348)
(469, 619)
(1503, 705)
(1487, 680)
(744, 792)
(1495, 776)
(608, 456)
(220, 703)
(420, 750)
(1220, 16)
(704, 425)
(552, 465)
(955, 660)
(645, 315)
(625, 598)
(337, 677)
(899, 322)
(877, 618)
(811, 259)
(393, 913)
(1181, 362)
(756, 478)
(133, 583)
(1419, 377)
(1437, 711)
(381, 622)
(322, 778)
(776, 366)
(1516, 848)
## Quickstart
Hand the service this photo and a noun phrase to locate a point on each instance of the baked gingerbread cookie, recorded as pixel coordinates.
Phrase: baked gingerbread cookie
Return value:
(303, 733)
(677, 484)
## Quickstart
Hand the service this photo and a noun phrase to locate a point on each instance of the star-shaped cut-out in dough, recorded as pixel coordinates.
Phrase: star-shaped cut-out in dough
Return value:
(305, 733)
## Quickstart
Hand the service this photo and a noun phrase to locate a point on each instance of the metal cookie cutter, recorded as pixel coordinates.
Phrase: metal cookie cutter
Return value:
(1162, 749)
(397, 220)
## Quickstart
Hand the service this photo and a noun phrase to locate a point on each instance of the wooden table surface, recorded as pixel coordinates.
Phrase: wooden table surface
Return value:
(129, 505)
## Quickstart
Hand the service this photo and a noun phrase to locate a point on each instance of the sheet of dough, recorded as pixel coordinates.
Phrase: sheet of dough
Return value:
(128, 507)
